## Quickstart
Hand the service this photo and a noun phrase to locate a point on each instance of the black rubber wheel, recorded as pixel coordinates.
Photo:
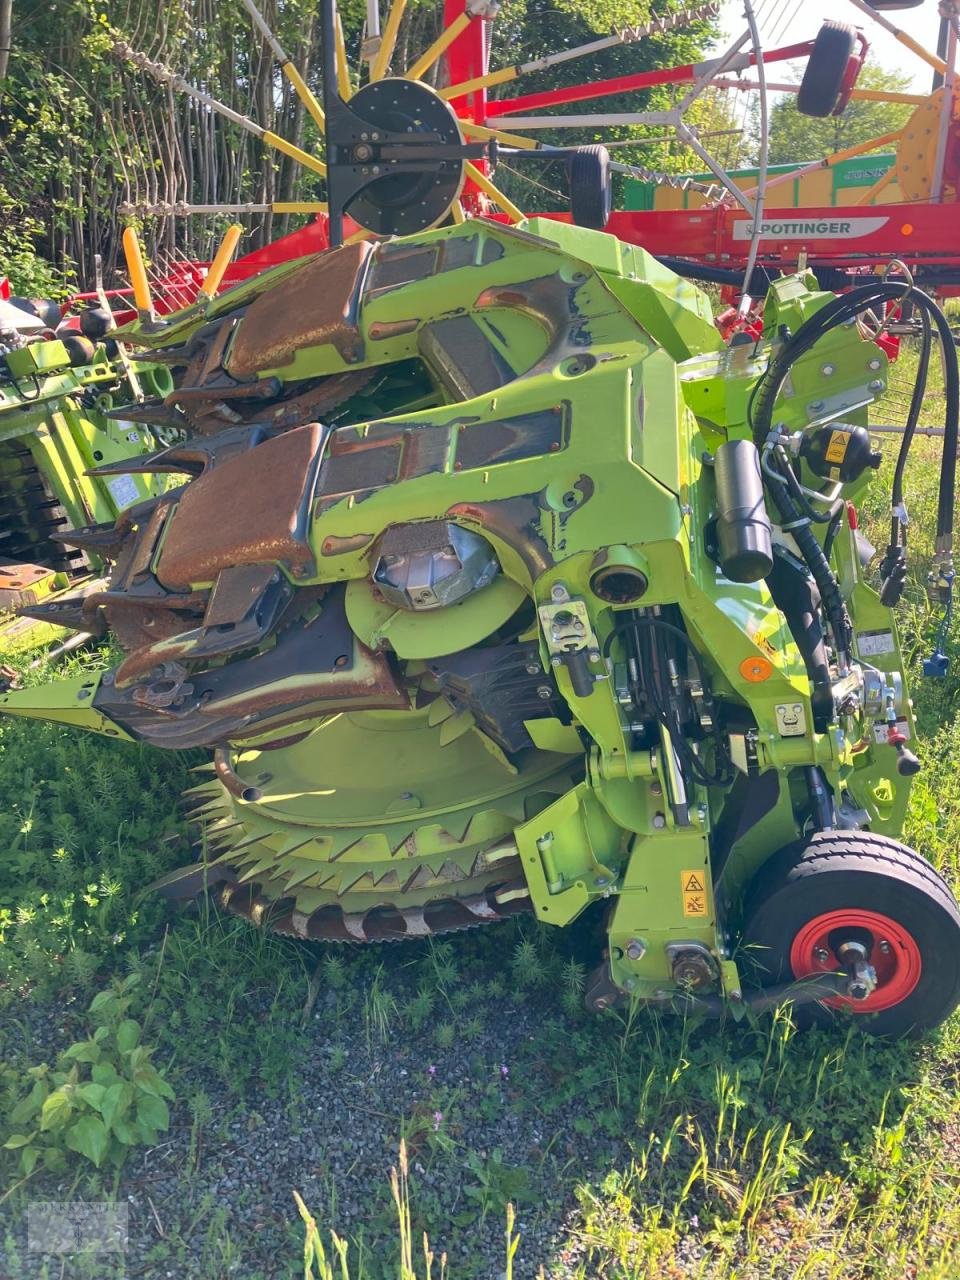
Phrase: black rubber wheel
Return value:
(826, 70)
(591, 191)
(44, 309)
(857, 886)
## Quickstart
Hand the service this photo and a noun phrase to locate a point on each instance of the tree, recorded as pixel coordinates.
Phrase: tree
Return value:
(83, 133)
(794, 137)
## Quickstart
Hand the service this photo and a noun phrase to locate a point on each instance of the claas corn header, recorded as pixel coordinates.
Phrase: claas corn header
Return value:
(494, 582)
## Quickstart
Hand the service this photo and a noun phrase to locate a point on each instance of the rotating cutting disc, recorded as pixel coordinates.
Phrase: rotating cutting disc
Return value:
(376, 825)
(405, 203)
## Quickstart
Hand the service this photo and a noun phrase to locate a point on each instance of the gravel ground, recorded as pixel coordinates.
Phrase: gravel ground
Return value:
(215, 1198)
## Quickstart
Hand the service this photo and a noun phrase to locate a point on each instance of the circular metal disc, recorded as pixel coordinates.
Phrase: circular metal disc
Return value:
(405, 203)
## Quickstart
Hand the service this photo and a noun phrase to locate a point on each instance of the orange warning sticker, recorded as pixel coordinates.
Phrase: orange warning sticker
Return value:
(837, 448)
(693, 886)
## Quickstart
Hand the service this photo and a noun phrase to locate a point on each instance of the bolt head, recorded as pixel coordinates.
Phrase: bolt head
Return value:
(821, 955)
(544, 692)
(636, 949)
(659, 821)
(558, 591)
(885, 947)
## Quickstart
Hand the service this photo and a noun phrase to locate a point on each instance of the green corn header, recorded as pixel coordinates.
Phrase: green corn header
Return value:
(495, 583)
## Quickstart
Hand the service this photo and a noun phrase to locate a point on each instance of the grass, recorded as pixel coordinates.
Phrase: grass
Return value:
(627, 1146)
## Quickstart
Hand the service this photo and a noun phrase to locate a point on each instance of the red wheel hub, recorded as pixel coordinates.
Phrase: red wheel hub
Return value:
(892, 950)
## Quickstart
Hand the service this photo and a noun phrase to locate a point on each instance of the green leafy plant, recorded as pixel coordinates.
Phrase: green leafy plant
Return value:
(104, 1096)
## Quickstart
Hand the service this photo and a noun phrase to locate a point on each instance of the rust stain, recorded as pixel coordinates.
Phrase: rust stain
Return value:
(251, 509)
(311, 307)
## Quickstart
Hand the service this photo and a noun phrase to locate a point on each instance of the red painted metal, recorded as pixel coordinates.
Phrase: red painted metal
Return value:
(898, 967)
(849, 237)
(625, 84)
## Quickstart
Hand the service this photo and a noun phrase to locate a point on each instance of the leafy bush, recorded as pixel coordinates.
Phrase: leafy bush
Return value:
(104, 1097)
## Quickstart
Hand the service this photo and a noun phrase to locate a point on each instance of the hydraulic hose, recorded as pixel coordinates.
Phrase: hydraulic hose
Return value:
(840, 310)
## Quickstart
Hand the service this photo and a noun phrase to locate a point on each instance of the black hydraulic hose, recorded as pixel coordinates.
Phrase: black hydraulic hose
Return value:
(897, 530)
(635, 626)
(845, 308)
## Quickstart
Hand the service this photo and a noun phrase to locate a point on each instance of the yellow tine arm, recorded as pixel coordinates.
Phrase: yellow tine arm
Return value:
(299, 206)
(289, 70)
(908, 42)
(137, 272)
(221, 260)
(343, 71)
(442, 42)
(495, 194)
(388, 40)
(878, 186)
(295, 153)
(305, 94)
(828, 162)
(480, 82)
(508, 139)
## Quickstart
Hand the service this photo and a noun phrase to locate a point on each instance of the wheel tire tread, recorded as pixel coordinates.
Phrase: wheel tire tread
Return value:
(846, 853)
(825, 60)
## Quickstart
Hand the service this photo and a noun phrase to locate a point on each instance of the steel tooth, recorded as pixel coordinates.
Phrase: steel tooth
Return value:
(260, 909)
(105, 539)
(301, 873)
(353, 924)
(152, 413)
(247, 842)
(515, 891)
(459, 724)
(439, 712)
(65, 613)
(187, 882)
(202, 789)
(421, 878)
(480, 908)
(451, 871)
(293, 844)
(259, 867)
(389, 880)
(341, 843)
(416, 925)
(144, 464)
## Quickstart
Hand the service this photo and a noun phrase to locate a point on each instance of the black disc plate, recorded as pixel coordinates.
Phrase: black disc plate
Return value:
(405, 203)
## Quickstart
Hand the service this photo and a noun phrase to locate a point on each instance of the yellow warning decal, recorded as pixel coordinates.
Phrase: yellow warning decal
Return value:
(693, 887)
(837, 448)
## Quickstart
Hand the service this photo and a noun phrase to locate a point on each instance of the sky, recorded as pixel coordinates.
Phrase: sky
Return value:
(787, 21)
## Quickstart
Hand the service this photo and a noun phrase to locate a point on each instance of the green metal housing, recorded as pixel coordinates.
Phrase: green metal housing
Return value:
(386, 769)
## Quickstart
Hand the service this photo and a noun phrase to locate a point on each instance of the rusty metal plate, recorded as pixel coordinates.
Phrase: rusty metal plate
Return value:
(311, 307)
(251, 509)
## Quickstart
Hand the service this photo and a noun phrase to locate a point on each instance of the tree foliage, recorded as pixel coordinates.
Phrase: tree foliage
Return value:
(83, 134)
(794, 137)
